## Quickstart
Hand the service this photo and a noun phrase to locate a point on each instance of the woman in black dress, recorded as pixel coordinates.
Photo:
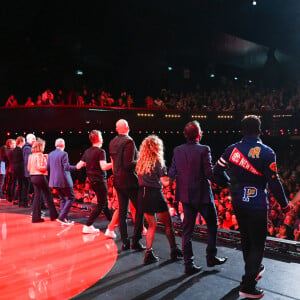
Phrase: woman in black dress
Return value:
(152, 176)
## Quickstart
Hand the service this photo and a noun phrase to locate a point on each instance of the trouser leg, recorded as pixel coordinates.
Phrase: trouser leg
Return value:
(190, 214)
(208, 212)
(100, 189)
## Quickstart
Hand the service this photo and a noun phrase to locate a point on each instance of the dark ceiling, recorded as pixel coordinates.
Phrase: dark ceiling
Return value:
(112, 35)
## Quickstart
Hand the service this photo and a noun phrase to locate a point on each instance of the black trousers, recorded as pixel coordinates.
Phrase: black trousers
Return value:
(40, 185)
(17, 177)
(11, 186)
(26, 190)
(253, 229)
(123, 197)
(100, 189)
(208, 212)
(2, 178)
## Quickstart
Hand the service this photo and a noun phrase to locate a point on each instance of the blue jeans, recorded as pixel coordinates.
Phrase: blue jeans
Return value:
(67, 197)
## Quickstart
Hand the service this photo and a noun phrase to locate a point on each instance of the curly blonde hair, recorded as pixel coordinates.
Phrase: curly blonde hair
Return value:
(151, 151)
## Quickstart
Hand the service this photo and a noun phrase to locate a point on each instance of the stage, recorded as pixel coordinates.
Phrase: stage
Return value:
(50, 261)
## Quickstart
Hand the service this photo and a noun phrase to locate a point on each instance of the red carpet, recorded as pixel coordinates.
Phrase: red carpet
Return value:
(50, 261)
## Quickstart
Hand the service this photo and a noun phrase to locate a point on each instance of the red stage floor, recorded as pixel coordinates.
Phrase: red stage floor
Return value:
(50, 261)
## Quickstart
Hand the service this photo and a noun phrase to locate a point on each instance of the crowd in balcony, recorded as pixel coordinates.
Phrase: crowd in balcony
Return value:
(231, 98)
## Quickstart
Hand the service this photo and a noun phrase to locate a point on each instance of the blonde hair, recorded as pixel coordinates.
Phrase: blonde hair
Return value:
(151, 151)
(38, 146)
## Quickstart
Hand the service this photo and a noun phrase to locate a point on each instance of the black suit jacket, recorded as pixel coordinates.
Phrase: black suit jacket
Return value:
(192, 168)
(123, 153)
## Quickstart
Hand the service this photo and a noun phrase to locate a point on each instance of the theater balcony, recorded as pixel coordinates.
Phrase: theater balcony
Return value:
(55, 118)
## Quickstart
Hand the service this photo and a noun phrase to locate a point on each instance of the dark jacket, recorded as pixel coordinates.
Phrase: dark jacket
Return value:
(17, 162)
(59, 168)
(123, 153)
(26, 152)
(192, 168)
(251, 165)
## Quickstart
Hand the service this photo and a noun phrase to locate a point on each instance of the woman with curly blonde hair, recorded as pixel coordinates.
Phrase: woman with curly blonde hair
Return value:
(151, 171)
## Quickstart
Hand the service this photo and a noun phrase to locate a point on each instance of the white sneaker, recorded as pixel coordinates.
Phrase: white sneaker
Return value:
(145, 231)
(89, 229)
(110, 233)
(64, 222)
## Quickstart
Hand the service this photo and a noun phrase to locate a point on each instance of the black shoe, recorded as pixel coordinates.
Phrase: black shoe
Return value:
(176, 253)
(252, 293)
(215, 260)
(138, 246)
(193, 269)
(150, 257)
(125, 246)
(261, 270)
(38, 221)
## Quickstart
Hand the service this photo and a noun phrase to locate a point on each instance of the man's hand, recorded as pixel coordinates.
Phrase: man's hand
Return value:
(286, 209)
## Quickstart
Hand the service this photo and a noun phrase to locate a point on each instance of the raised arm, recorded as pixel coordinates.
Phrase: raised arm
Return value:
(80, 164)
(66, 164)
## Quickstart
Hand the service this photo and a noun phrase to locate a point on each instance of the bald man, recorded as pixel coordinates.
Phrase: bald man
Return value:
(123, 155)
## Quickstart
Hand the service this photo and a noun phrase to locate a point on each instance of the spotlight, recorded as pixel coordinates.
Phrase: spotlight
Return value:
(170, 68)
(254, 2)
(212, 75)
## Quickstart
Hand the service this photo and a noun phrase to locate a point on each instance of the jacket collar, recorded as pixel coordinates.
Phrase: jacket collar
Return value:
(192, 142)
(251, 139)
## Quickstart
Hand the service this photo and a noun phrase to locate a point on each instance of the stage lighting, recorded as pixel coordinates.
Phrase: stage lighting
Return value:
(235, 78)
(170, 68)
(79, 72)
(212, 75)
(254, 2)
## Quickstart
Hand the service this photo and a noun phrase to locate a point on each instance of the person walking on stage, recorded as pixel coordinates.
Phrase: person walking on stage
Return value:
(123, 154)
(60, 178)
(30, 139)
(17, 167)
(192, 168)
(37, 167)
(152, 175)
(251, 166)
(94, 160)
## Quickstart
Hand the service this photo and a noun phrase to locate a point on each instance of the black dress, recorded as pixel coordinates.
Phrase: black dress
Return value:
(150, 194)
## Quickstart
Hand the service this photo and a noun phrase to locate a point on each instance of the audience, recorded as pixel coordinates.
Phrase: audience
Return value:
(232, 98)
(227, 98)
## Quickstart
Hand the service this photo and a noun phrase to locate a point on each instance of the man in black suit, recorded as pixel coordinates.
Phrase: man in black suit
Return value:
(192, 168)
(123, 155)
(17, 168)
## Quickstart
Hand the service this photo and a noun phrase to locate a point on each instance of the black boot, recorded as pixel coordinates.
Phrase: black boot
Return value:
(176, 253)
(150, 257)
